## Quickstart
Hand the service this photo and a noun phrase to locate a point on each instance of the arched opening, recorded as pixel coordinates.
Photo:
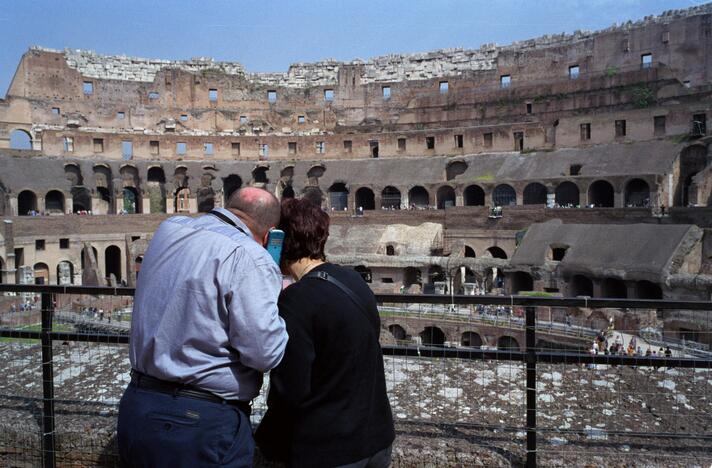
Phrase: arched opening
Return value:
(73, 174)
(496, 252)
(112, 264)
(390, 250)
(20, 139)
(390, 198)
(474, 195)
(471, 340)
(54, 202)
(432, 336)
(469, 252)
(259, 176)
(419, 197)
(65, 273)
(104, 203)
(398, 332)
(314, 174)
(614, 288)
(365, 199)
(232, 183)
(364, 272)
(504, 195)
(581, 286)
(85, 253)
(436, 273)
(520, 281)
(81, 200)
(648, 290)
(446, 197)
(181, 200)
(567, 194)
(507, 343)
(26, 203)
(412, 276)
(693, 159)
(156, 188)
(41, 273)
(454, 169)
(600, 193)
(535, 194)
(338, 197)
(288, 192)
(206, 194)
(131, 200)
(637, 193)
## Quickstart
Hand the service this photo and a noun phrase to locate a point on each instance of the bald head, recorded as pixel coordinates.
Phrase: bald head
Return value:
(258, 208)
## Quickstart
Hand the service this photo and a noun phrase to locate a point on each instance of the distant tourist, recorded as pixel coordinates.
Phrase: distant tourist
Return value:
(327, 404)
(204, 329)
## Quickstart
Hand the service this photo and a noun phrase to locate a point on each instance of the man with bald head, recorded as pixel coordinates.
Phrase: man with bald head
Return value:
(204, 330)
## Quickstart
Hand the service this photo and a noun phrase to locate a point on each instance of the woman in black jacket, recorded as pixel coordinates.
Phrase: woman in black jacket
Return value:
(327, 404)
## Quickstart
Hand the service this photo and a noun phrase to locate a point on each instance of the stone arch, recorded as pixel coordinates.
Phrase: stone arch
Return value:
(508, 343)
(338, 196)
(112, 264)
(259, 176)
(73, 174)
(232, 183)
(365, 199)
(432, 336)
(436, 273)
(601, 193)
(181, 200)
(81, 199)
(206, 194)
(129, 176)
(20, 139)
(41, 273)
(445, 197)
(504, 195)
(26, 202)
(314, 173)
(580, 286)
(474, 195)
(65, 272)
(567, 194)
(693, 159)
(535, 194)
(85, 253)
(364, 272)
(103, 182)
(647, 290)
(412, 276)
(614, 288)
(520, 281)
(496, 252)
(454, 169)
(156, 188)
(471, 339)
(469, 252)
(398, 332)
(637, 193)
(391, 198)
(54, 202)
(419, 197)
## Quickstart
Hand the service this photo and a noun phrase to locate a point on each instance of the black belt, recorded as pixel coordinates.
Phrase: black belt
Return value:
(147, 382)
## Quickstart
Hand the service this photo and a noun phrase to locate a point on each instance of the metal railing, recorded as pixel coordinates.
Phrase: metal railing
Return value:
(530, 356)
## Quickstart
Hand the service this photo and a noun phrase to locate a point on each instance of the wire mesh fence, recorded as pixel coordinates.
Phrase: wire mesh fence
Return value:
(494, 381)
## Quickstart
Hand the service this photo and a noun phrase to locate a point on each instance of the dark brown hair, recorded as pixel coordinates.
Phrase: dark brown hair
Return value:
(306, 228)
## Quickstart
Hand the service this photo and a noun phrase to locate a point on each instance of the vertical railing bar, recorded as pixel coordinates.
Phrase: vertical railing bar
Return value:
(48, 435)
(530, 347)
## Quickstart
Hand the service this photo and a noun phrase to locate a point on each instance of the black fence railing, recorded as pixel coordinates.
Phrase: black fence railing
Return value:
(529, 356)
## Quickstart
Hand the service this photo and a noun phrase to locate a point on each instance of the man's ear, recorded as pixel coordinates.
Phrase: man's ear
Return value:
(264, 239)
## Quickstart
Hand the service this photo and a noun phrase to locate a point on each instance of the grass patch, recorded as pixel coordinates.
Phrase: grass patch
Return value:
(35, 327)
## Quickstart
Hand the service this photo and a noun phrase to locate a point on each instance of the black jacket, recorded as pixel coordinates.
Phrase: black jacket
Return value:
(327, 403)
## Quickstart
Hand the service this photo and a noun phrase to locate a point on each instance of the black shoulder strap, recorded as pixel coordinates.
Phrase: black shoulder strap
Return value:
(324, 276)
(227, 220)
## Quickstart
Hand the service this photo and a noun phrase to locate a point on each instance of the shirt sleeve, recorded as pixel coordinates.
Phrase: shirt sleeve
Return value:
(291, 380)
(256, 330)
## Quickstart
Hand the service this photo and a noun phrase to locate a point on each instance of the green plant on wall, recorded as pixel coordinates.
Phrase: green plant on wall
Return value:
(611, 71)
(642, 96)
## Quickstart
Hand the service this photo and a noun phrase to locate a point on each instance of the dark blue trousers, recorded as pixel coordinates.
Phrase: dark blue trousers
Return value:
(161, 430)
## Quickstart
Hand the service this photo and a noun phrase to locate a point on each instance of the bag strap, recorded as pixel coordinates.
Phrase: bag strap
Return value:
(324, 276)
(227, 220)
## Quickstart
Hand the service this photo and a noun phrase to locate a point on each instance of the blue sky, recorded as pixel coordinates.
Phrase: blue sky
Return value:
(268, 35)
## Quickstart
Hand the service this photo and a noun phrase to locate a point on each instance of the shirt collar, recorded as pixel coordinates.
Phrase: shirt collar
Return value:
(237, 220)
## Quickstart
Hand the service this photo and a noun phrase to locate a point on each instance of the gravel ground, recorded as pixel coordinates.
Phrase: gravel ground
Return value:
(448, 412)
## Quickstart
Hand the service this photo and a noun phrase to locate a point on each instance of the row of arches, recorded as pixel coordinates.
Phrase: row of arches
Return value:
(600, 194)
(65, 273)
(580, 285)
(434, 336)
